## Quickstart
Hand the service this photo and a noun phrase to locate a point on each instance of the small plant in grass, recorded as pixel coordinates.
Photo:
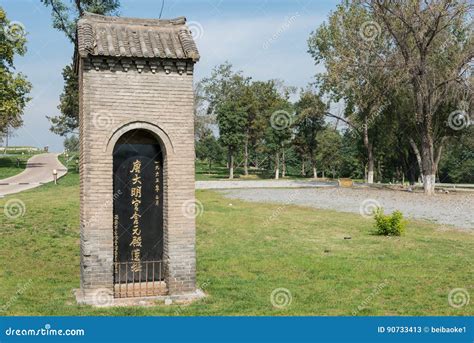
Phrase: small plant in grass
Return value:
(389, 225)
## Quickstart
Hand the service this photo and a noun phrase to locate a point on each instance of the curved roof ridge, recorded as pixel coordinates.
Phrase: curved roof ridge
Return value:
(109, 36)
(129, 20)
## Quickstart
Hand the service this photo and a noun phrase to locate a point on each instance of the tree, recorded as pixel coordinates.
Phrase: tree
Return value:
(352, 73)
(263, 98)
(457, 163)
(14, 88)
(231, 118)
(329, 152)
(433, 48)
(208, 149)
(278, 116)
(68, 121)
(65, 17)
(350, 152)
(310, 111)
(71, 143)
(203, 121)
(225, 92)
(255, 122)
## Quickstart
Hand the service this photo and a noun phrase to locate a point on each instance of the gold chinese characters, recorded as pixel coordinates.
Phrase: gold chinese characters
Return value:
(136, 194)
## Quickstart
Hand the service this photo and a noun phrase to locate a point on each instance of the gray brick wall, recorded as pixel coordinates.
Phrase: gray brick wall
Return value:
(113, 102)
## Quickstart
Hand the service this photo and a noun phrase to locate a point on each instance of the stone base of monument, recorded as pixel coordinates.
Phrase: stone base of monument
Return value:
(104, 297)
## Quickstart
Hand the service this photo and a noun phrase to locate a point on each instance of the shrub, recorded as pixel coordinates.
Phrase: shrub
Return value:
(389, 225)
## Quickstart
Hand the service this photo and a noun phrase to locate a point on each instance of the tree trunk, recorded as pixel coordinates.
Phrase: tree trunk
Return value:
(428, 163)
(231, 164)
(277, 166)
(313, 167)
(424, 116)
(370, 153)
(303, 171)
(418, 156)
(283, 164)
(246, 155)
(370, 171)
(411, 170)
(379, 171)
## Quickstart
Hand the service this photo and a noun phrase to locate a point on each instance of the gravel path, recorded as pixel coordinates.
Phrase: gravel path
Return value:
(225, 184)
(453, 209)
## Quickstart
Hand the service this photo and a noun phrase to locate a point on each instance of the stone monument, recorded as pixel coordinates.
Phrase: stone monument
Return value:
(137, 160)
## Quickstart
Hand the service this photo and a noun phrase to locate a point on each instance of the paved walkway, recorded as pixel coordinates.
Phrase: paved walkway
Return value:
(224, 184)
(39, 170)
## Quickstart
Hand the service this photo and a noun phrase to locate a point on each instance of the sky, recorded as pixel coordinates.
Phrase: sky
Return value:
(266, 39)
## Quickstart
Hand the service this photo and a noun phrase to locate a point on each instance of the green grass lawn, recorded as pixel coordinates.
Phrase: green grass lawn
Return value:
(242, 257)
(9, 165)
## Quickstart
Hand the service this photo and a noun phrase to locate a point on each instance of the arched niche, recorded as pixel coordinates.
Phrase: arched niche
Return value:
(138, 207)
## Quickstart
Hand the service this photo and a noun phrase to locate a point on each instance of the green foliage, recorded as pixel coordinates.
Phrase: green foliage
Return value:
(457, 164)
(71, 143)
(328, 156)
(244, 112)
(389, 225)
(351, 159)
(68, 121)
(231, 120)
(225, 92)
(65, 16)
(310, 110)
(278, 116)
(209, 149)
(14, 88)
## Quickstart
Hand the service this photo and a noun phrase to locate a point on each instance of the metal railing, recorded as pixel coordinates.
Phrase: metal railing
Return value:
(148, 281)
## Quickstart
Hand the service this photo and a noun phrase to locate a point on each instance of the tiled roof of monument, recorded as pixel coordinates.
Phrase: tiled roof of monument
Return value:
(130, 37)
